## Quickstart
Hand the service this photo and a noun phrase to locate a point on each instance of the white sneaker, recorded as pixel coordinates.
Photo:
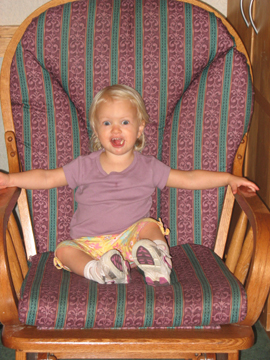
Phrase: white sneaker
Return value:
(154, 261)
(113, 268)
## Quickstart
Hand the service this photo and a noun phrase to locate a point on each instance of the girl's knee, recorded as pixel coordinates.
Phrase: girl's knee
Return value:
(151, 231)
(62, 252)
(59, 255)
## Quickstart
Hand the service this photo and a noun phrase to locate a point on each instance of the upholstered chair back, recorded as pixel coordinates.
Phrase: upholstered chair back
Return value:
(180, 58)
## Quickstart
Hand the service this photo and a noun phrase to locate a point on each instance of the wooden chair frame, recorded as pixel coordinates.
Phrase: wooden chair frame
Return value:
(253, 250)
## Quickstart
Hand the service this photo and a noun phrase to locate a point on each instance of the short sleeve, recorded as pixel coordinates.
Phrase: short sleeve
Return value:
(73, 172)
(161, 173)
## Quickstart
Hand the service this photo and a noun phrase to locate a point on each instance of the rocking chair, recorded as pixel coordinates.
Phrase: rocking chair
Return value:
(193, 73)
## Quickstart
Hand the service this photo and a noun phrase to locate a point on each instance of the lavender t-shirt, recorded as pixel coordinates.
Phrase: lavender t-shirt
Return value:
(110, 203)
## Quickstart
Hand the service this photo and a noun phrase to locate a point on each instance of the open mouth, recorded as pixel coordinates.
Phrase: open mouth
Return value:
(117, 142)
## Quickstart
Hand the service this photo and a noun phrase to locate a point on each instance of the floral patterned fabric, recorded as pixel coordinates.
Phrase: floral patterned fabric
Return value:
(198, 93)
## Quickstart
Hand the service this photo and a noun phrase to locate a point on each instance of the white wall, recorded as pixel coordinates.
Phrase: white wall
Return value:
(13, 12)
(220, 5)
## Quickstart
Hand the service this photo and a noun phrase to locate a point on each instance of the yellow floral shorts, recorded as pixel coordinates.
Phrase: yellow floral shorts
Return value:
(96, 246)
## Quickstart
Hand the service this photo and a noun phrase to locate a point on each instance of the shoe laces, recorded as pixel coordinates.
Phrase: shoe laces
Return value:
(165, 254)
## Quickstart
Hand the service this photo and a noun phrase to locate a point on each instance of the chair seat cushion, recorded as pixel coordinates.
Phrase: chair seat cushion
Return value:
(203, 292)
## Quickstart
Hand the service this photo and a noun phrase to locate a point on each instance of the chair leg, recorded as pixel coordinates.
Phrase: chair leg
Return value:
(20, 355)
(222, 356)
(46, 356)
(233, 356)
(207, 357)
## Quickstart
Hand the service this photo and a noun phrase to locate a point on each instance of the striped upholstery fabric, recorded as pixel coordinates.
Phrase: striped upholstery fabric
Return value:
(200, 293)
(198, 93)
(203, 133)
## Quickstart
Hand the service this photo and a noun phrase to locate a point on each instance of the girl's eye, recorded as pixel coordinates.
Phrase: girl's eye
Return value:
(106, 123)
(125, 122)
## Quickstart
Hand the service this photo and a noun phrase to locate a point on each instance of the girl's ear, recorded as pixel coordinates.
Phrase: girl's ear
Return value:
(94, 130)
(141, 128)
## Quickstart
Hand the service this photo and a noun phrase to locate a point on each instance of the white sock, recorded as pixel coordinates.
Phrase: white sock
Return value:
(92, 271)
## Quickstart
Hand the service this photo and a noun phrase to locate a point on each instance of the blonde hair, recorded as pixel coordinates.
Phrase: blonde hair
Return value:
(118, 92)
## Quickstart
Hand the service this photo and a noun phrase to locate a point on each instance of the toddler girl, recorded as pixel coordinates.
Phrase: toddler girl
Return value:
(111, 226)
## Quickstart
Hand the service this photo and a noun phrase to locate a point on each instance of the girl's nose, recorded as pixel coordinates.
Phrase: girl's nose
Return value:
(116, 128)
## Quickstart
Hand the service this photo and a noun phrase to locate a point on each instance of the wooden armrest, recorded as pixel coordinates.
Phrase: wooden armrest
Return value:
(8, 298)
(258, 281)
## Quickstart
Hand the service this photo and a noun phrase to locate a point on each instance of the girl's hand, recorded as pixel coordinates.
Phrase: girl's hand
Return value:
(236, 181)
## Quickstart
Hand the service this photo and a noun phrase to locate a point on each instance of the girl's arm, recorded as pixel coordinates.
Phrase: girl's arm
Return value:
(202, 179)
(34, 179)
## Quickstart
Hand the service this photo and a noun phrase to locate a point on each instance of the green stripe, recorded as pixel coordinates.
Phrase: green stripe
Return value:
(63, 300)
(174, 165)
(149, 306)
(114, 41)
(163, 75)
(163, 81)
(198, 153)
(178, 300)
(40, 39)
(213, 37)
(25, 108)
(26, 118)
(65, 46)
(65, 77)
(35, 289)
(139, 47)
(248, 102)
(235, 288)
(92, 305)
(52, 163)
(174, 136)
(188, 44)
(25, 279)
(75, 131)
(173, 216)
(120, 307)
(199, 119)
(90, 32)
(206, 288)
(225, 106)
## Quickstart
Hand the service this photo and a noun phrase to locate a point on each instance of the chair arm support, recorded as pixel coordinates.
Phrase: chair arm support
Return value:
(258, 281)
(8, 298)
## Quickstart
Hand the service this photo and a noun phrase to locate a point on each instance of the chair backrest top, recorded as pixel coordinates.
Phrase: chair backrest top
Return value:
(5, 73)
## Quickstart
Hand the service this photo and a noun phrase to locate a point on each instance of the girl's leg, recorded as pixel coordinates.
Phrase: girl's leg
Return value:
(73, 258)
(110, 268)
(152, 231)
(151, 254)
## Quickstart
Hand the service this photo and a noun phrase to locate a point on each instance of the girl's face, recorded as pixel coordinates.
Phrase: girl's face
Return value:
(117, 126)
